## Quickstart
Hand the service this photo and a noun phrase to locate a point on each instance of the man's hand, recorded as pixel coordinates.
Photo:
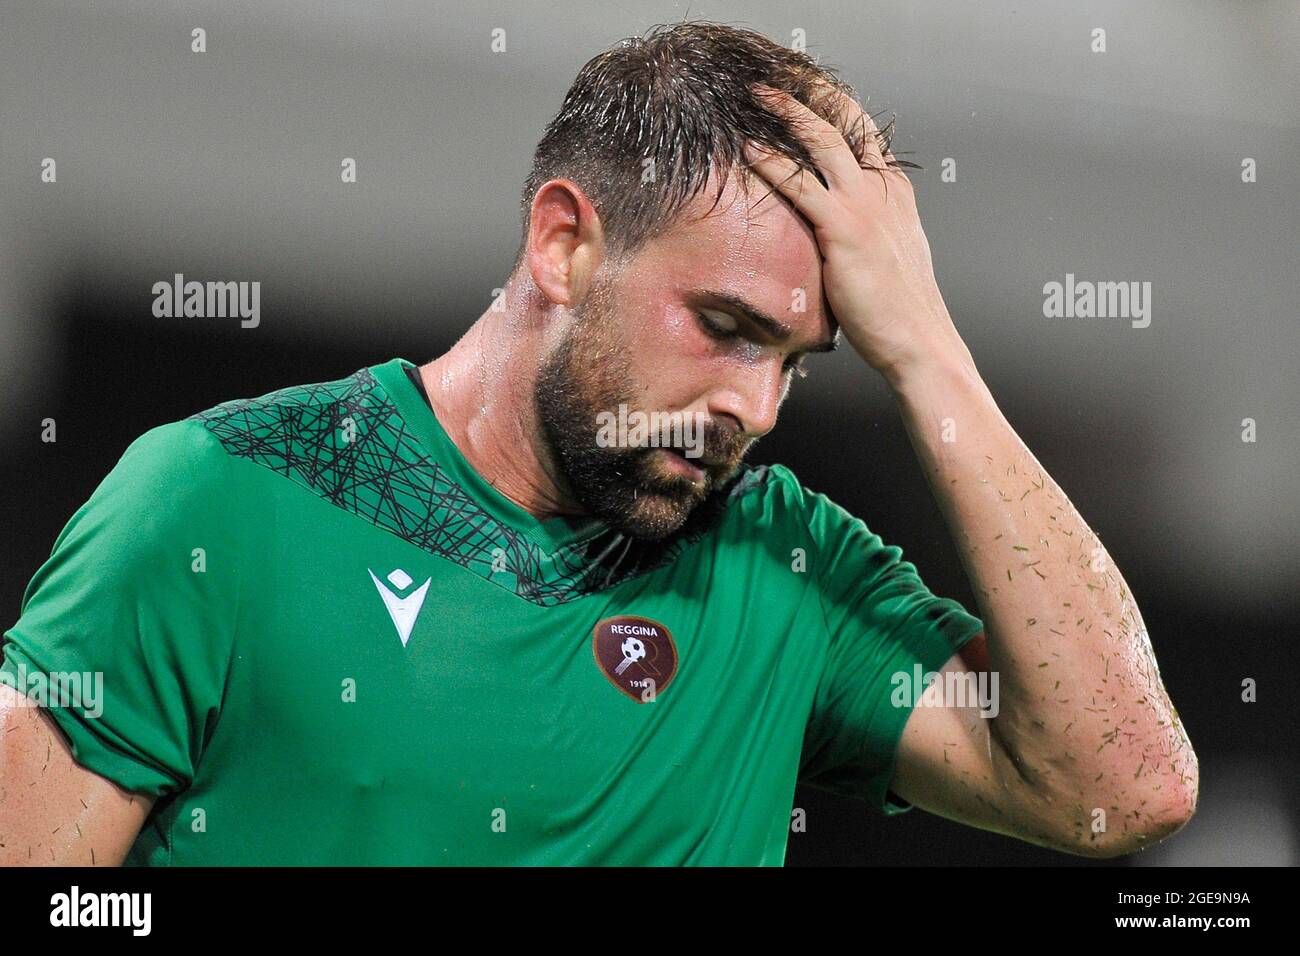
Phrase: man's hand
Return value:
(876, 271)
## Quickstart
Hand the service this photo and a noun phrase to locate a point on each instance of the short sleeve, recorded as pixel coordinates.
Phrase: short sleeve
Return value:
(125, 632)
(881, 621)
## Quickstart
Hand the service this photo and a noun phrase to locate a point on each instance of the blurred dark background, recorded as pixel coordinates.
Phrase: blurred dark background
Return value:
(1115, 166)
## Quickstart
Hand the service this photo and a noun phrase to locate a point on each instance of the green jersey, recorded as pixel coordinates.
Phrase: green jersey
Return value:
(324, 638)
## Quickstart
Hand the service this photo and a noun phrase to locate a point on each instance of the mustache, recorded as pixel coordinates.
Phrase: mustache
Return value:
(723, 445)
(716, 446)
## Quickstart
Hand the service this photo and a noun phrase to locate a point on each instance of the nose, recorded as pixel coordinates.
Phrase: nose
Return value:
(753, 397)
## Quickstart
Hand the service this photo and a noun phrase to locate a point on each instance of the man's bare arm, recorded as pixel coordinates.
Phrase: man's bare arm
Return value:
(1085, 735)
(1084, 722)
(53, 811)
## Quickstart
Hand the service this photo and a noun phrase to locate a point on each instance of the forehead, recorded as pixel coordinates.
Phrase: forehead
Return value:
(753, 245)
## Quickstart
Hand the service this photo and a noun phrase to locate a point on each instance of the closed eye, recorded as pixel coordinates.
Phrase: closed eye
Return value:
(724, 327)
(718, 324)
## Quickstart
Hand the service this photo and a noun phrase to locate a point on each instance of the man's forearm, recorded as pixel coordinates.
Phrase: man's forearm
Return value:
(1083, 713)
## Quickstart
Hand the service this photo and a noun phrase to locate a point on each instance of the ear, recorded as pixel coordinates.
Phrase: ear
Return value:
(566, 242)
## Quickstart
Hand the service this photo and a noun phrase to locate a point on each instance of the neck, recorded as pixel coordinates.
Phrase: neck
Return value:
(482, 392)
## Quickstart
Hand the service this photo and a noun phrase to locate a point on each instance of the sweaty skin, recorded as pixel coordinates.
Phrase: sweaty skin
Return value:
(53, 811)
(763, 256)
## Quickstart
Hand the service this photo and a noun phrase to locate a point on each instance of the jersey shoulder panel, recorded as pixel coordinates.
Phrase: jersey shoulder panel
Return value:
(347, 442)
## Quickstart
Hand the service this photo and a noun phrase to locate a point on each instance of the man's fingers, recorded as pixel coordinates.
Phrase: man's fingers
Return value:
(793, 182)
(829, 150)
(874, 140)
(850, 116)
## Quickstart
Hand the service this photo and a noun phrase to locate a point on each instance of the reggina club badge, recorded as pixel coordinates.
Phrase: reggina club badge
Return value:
(636, 654)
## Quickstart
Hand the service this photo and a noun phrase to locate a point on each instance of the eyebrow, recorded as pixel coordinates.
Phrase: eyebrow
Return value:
(772, 326)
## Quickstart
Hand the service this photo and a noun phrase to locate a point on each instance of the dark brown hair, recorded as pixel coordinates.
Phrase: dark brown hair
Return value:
(678, 100)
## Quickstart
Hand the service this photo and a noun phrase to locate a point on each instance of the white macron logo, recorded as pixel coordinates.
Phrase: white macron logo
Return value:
(405, 610)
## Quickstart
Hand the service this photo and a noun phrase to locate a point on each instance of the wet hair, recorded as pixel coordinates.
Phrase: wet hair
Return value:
(647, 124)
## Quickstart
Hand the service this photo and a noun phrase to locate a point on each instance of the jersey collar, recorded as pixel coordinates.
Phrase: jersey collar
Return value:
(550, 534)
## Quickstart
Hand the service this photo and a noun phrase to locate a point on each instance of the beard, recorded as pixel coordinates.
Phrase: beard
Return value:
(633, 490)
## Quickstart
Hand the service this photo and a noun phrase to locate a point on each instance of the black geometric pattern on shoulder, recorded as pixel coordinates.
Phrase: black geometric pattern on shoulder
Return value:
(346, 442)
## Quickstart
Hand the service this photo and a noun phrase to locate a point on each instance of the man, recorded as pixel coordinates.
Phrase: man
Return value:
(480, 612)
